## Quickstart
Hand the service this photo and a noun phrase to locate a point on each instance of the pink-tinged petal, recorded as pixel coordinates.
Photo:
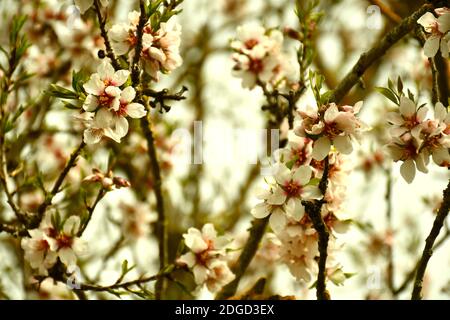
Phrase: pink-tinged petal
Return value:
(260, 211)
(200, 274)
(194, 240)
(311, 193)
(68, 257)
(128, 94)
(357, 107)
(209, 232)
(92, 135)
(119, 126)
(440, 112)
(431, 46)
(188, 259)
(302, 175)
(321, 148)
(428, 20)
(120, 77)
(407, 107)
(136, 110)
(113, 91)
(331, 113)
(105, 70)
(121, 48)
(397, 131)
(296, 210)
(441, 156)
(422, 113)
(395, 118)
(91, 103)
(415, 132)
(343, 144)
(282, 174)
(277, 221)
(94, 85)
(72, 225)
(421, 163)
(103, 118)
(444, 23)
(444, 48)
(278, 197)
(408, 170)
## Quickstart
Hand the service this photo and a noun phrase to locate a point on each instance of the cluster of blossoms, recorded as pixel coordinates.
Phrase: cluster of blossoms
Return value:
(49, 242)
(107, 105)
(207, 257)
(414, 137)
(438, 30)
(160, 46)
(296, 175)
(259, 57)
(330, 125)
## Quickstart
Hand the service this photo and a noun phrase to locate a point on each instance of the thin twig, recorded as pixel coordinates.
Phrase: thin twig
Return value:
(368, 58)
(102, 23)
(57, 186)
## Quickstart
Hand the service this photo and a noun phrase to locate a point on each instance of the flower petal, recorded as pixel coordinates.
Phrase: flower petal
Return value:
(321, 148)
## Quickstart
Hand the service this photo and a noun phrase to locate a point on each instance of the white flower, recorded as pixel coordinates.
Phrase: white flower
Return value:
(333, 125)
(70, 246)
(98, 126)
(39, 251)
(123, 35)
(84, 5)
(409, 119)
(437, 27)
(47, 244)
(206, 257)
(103, 87)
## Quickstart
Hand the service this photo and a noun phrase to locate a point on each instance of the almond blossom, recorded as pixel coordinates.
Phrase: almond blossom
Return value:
(330, 125)
(206, 257)
(110, 103)
(414, 138)
(258, 57)
(438, 29)
(160, 47)
(48, 243)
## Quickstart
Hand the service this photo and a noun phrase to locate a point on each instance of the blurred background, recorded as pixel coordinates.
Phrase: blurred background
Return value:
(222, 189)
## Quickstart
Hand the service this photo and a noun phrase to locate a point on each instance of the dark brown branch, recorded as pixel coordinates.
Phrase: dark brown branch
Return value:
(368, 58)
(429, 242)
(102, 23)
(57, 186)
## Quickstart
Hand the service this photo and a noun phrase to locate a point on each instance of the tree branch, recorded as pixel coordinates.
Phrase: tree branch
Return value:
(368, 58)
(56, 187)
(102, 23)
(429, 242)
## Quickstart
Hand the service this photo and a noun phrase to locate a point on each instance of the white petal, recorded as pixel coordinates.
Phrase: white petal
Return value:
(72, 225)
(407, 107)
(128, 94)
(427, 20)
(120, 126)
(408, 170)
(120, 77)
(105, 70)
(188, 258)
(282, 174)
(67, 257)
(321, 148)
(277, 221)
(136, 110)
(302, 175)
(278, 197)
(94, 85)
(311, 193)
(91, 103)
(200, 274)
(260, 211)
(343, 144)
(92, 135)
(83, 5)
(431, 46)
(209, 232)
(331, 113)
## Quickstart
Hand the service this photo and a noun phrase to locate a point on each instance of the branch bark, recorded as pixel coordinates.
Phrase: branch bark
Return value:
(429, 242)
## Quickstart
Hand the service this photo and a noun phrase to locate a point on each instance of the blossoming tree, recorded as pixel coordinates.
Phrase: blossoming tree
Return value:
(96, 200)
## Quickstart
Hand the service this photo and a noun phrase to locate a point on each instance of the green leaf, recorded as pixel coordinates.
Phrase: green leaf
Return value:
(61, 92)
(399, 85)
(78, 79)
(388, 94)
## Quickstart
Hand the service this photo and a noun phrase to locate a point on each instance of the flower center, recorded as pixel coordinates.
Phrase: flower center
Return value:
(255, 66)
(64, 241)
(292, 189)
(250, 43)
